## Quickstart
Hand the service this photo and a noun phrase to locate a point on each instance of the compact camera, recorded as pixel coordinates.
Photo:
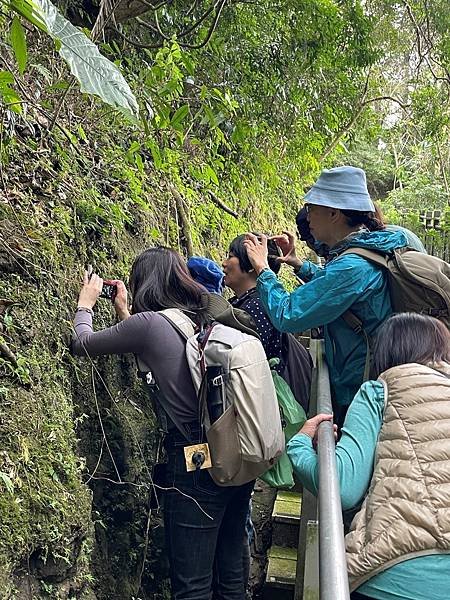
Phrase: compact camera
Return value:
(109, 290)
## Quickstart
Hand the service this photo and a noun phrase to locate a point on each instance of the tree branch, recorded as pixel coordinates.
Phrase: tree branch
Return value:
(425, 53)
(192, 8)
(198, 22)
(133, 8)
(7, 353)
(391, 98)
(353, 120)
(210, 31)
(105, 15)
(185, 227)
(218, 202)
(218, 7)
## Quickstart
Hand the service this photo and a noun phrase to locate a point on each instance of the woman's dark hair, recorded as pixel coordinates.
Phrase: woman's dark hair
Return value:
(160, 279)
(304, 232)
(379, 213)
(358, 217)
(410, 338)
(238, 250)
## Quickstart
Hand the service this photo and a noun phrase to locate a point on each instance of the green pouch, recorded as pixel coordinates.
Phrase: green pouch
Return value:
(293, 416)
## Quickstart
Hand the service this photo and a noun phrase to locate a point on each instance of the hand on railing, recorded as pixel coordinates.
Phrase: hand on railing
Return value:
(311, 427)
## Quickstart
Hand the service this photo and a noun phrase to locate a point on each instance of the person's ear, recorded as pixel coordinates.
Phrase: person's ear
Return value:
(335, 215)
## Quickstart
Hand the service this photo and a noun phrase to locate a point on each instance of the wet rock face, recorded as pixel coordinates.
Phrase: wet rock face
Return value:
(46, 575)
(54, 569)
(128, 559)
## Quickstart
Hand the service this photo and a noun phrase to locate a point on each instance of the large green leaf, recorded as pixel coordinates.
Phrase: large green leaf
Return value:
(18, 43)
(179, 116)
(95, 73)
(28, 10)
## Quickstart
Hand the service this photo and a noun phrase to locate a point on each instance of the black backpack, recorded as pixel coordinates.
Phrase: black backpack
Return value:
(298, 366)
(296, 362)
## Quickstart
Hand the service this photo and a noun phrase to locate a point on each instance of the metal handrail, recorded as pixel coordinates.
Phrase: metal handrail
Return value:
(332, 561)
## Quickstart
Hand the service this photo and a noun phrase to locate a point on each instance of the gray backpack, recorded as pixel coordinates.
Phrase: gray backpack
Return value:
(418, 282)
(245, 437)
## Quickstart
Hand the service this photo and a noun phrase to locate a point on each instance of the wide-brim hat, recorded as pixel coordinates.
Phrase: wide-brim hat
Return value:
(342, 187)
(220, 310)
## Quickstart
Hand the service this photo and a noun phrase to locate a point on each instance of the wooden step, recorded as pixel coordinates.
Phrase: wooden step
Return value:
(286, 519)
(280, 578)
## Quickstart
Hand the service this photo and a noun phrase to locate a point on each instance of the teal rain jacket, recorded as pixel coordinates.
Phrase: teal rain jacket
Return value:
(345, 282)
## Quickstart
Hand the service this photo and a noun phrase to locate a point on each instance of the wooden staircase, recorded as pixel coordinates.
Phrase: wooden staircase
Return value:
(281, 570)
(293, 566)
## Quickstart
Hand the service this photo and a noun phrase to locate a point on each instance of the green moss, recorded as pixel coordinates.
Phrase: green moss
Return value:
(78, 439)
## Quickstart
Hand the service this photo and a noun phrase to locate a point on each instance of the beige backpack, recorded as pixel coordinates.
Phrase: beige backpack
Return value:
(247, 438)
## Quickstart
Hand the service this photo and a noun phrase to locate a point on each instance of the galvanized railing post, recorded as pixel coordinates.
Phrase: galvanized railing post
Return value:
(332, 561)
(307, 582)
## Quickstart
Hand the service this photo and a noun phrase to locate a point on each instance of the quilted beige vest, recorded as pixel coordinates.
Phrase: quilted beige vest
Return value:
(406, 512)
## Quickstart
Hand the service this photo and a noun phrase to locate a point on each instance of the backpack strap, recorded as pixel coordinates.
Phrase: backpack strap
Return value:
(381, 260)
(179, 321)
(349, 316)
(356, 325)
(160, 406)
(185, 327)
(378, 258)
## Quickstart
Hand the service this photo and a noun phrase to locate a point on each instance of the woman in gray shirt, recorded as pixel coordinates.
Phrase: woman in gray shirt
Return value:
(204, 523)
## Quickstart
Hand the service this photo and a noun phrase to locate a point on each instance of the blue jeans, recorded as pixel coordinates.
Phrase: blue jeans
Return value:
(203, 536)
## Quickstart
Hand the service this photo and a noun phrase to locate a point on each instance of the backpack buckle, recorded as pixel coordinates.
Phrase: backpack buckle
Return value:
(218, 380)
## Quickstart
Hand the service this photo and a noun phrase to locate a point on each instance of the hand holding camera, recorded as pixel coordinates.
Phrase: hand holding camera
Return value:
(95, 287)
(91, 290)
(286, 243)
(120, 298)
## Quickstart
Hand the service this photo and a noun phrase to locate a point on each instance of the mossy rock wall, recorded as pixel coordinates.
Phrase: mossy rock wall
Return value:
(77, 437)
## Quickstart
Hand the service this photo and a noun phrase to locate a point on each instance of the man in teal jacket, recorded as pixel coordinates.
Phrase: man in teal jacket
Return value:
(341, 215)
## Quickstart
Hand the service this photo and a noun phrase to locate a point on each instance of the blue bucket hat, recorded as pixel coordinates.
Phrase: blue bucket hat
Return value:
(341, 187)
(207, 273)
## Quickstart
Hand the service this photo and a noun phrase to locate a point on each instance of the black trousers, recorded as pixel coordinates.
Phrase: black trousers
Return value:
(358, 596)
(204, 525)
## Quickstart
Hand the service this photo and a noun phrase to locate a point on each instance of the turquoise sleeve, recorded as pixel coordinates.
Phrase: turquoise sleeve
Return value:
(322, 300)
(307, 270)
(421, 578)
(355, 450)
